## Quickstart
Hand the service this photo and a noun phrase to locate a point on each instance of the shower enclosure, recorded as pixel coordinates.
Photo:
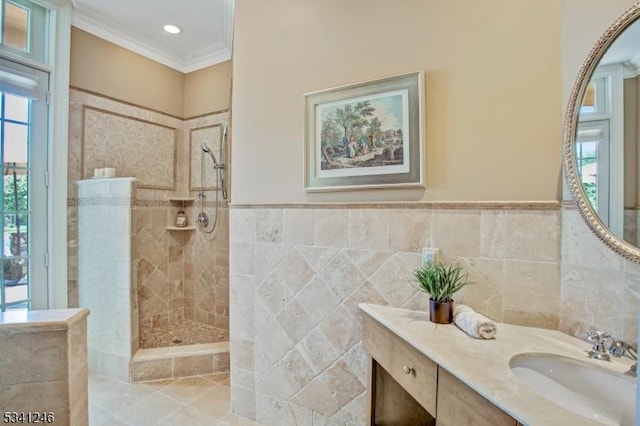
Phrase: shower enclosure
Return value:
(163, 312)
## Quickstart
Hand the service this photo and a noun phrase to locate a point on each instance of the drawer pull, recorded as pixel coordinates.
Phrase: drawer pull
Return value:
(407, 369)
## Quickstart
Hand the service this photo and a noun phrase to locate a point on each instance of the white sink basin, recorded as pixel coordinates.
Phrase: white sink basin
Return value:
(583, 387)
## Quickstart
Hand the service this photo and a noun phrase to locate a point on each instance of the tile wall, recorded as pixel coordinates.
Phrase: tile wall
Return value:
(298, 273)
(180, 274)
(54, 385)
(104, 268)
(599, 287)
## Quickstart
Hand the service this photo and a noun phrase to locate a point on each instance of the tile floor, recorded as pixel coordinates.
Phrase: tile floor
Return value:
(199, 400)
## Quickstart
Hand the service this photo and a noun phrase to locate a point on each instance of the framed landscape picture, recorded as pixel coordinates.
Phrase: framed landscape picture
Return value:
(367, 135)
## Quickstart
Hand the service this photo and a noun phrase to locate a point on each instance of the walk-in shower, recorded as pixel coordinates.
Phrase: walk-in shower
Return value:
(219, 169)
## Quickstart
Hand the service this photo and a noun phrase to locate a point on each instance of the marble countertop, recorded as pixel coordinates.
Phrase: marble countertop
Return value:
(43, 320)
(483, 365)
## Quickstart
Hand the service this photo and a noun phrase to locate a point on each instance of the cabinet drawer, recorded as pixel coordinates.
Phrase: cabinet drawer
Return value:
(416, 373)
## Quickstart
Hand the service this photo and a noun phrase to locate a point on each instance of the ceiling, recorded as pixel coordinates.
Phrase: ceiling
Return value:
(207, 28)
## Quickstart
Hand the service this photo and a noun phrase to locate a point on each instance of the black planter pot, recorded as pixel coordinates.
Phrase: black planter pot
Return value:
(441, 312)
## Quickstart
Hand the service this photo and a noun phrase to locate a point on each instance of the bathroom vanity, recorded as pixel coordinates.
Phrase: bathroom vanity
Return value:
(423, 373)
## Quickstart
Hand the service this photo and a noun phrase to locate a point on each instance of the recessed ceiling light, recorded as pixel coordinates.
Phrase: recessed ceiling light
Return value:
(172, 29)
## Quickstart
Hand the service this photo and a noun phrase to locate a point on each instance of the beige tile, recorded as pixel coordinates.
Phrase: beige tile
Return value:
(409, 230)
(492, 234)
(221, 364)
(298, 226)
(286, 377)
(186, 389)
(368, 229)
(17, 347)
(100, 417)
(193, 365)
(456, 232)
(269, 225)
(532, 235)
(243, 402)
(188, 416)
(242, 226)
(295, 271)
(315, 396)
(331, 228)
(393, 280)
(214, 402)
(294, 321)
(154, 407)
(342, 329)
(318, 300)
(368, 261)
(317, 348)
(342, 383)
(539, 320)
(50, 396)
(532, 287)
(341, 275)
(151, 370)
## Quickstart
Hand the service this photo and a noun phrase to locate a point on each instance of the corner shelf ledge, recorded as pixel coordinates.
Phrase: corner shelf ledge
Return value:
(182, 199)
(181, 228)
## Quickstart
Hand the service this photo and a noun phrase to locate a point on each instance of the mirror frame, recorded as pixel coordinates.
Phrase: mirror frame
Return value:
(619, 245)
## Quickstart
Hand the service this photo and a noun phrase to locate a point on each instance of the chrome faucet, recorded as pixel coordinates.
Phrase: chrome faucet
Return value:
(599, 350)
(619, 348)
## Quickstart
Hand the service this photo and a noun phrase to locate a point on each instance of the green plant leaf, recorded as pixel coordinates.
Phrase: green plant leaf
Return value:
(440, 281)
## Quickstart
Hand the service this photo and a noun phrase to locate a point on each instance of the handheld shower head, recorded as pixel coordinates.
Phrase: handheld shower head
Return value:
(205, 148)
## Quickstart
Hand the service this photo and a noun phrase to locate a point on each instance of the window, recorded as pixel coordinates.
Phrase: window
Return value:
(23, 218)
(23, 29)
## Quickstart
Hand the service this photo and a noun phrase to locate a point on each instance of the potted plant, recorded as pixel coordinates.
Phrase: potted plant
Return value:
(440, 282)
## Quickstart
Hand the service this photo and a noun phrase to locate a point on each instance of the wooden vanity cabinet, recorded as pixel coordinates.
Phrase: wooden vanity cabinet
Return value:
(458, 404)
(402, 381)
(407, 388)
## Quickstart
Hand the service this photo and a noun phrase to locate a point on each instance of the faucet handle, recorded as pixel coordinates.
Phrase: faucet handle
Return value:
(599, 350)
(619, 348)
(598, 336)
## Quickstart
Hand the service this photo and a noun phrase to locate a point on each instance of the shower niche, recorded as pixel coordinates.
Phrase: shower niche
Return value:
(182, 204)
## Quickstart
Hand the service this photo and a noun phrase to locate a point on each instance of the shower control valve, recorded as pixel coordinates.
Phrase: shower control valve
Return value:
(203, 219)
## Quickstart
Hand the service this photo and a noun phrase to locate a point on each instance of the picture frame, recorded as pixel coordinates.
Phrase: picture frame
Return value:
(365, 136)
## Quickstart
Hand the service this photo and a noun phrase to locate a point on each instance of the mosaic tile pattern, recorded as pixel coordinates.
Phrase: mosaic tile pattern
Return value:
(108, 139)
(185, 332)
(300, 274)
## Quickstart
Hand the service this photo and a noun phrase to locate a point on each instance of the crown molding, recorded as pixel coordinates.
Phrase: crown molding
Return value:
(89, 21)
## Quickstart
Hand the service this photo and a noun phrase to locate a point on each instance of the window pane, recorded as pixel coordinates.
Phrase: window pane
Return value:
(16, 290)
(16, 108)
(15, 191)
(16, 22)
(15, 143)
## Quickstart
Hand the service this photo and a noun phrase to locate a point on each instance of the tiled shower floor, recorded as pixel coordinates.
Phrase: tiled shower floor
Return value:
(185, 332)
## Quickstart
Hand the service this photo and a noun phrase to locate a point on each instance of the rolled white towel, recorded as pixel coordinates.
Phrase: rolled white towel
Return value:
(474, 324)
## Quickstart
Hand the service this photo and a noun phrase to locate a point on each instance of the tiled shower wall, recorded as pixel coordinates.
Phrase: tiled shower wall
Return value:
(299, 272)
(180, 274)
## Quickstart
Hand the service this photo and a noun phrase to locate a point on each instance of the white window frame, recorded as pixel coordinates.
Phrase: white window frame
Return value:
(612, 78)
(57, 65)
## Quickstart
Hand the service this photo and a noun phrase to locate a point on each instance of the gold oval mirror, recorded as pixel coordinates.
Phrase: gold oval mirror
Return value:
(602, 137)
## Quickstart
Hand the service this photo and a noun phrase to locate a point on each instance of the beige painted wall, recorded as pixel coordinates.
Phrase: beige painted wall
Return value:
(207, 90)
(493, 94)
(105, 68)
